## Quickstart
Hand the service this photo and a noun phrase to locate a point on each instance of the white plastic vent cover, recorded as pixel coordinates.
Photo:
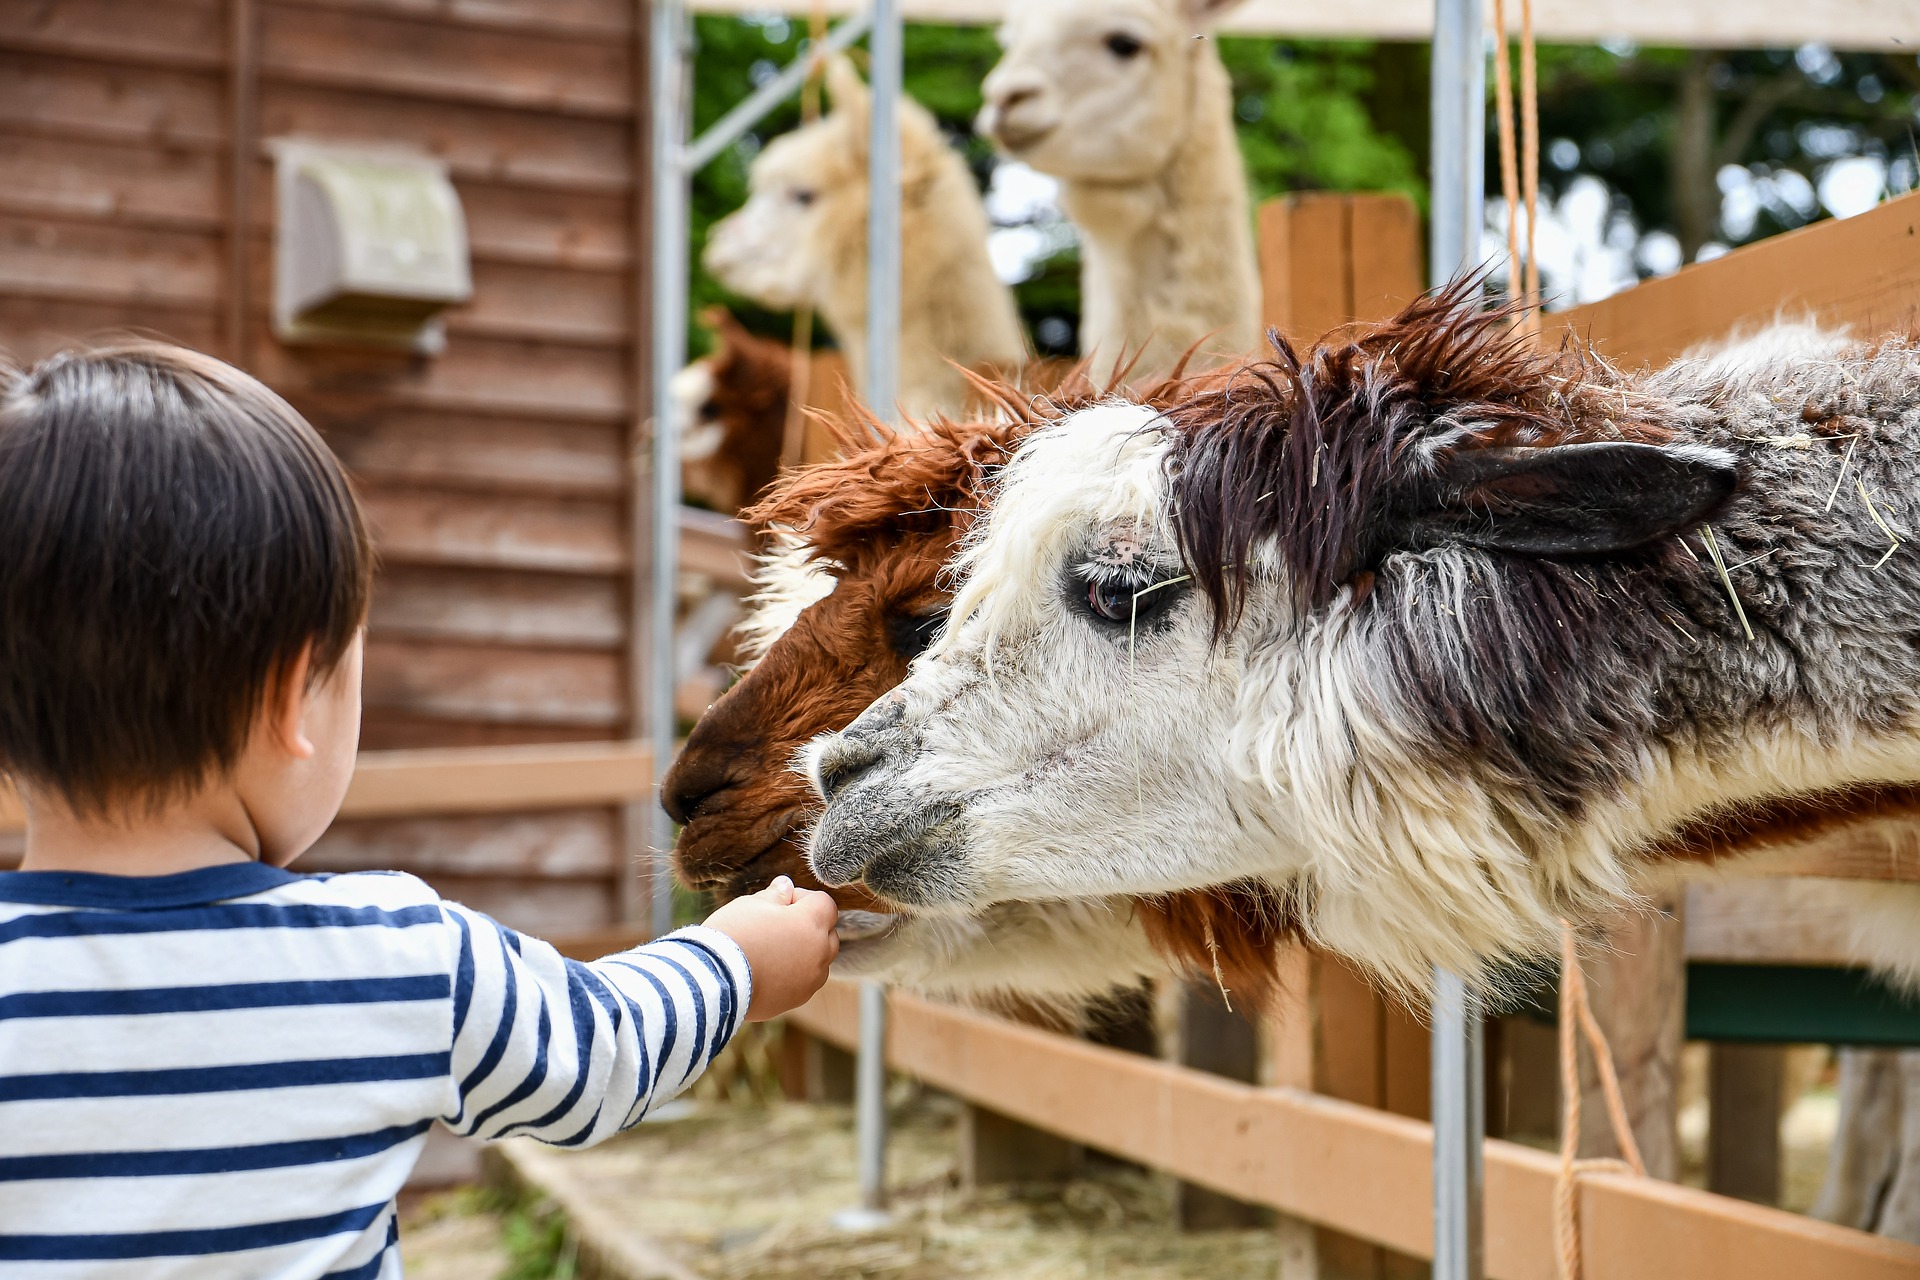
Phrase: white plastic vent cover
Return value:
(370, 245)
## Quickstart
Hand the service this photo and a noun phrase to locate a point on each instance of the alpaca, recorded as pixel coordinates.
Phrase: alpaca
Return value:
(841, 615)
(1426, 631)
(1129, 106)
(801, 241)
(730, 409)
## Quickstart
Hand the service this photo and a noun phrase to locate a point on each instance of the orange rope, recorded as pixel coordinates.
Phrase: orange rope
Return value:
(1519, 173)
(1576, 1018)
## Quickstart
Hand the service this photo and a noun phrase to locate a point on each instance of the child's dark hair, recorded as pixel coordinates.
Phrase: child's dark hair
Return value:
(172, 535)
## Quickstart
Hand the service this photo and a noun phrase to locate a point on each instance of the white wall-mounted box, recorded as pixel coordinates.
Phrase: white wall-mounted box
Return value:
(370, 246)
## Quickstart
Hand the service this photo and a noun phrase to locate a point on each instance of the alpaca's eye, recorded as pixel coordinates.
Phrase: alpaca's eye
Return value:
(909, 634)
(1123, 46)
(802, 197)
(1111, 600)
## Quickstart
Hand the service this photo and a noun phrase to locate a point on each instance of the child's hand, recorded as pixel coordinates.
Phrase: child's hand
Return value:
(788, 936)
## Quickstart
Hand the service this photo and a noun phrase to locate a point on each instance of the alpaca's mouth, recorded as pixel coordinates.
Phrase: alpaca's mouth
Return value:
(865, 926)
(1017, 137)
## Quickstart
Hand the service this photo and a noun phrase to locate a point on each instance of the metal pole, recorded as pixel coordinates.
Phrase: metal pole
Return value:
(727, 130)
(870, 1095)
(667, 71)
(883, 214)
(883, 394)
(1459, 1050)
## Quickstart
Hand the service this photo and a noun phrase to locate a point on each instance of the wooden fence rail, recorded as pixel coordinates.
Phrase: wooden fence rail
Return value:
(1362, 1171)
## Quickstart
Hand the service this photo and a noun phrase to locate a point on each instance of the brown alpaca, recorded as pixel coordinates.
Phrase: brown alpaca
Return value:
(731, 412)
(885, 518)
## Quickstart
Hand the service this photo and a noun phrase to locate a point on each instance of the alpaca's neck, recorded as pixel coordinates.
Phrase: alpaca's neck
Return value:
(953, 308)
(1168, 260)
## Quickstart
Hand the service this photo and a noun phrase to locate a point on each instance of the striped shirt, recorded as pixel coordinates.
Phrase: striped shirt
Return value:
(230, 1071)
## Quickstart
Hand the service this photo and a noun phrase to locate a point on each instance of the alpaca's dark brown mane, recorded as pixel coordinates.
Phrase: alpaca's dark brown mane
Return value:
(1310, 452)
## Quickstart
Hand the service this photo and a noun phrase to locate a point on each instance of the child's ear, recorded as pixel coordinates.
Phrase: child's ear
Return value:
(286, 705)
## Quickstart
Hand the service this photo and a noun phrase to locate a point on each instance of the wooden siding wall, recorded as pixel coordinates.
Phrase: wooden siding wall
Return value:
(495, 475)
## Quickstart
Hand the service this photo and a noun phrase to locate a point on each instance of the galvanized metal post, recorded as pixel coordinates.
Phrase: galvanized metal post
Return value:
(883, 394)
(1459, 1077)
(667, 51)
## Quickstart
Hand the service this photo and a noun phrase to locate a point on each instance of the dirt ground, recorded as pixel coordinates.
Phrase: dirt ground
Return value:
(749, 1191)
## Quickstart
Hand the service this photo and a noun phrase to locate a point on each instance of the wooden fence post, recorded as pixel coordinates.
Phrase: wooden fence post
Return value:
(1743, 1120)
(1638, 987)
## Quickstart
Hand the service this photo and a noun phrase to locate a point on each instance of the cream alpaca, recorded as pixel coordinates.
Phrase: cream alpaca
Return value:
(801, 241)
(1127, 104)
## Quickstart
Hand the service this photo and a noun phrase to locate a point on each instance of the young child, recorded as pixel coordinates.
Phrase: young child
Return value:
(210, 1065)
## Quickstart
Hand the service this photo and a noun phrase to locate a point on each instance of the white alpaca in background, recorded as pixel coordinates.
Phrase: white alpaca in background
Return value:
(1127, 103)
(801, 241)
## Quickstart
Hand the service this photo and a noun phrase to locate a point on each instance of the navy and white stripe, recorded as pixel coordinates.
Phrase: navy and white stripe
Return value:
(230, 1072)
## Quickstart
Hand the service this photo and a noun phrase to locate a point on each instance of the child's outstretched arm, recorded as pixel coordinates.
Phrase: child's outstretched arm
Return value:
(572, 1053)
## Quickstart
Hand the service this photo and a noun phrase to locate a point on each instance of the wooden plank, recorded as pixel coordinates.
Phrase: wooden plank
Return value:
(496, 780)
(167, 33)
(548, 304)
(1797, 921)
(1387, 265)
(537, 907)
(1744, 1102)
(487, 780)
(383, 730)
(450, 451)
(609, 18)
(475, 375)
(1887, 849)
(1637, 983)
(33, 328)
(1891, 25)
(478, 142)
(512, 224)
(714, 545)
(359, 50)
(496, 607)
(137, 183)
(567, 844)
(1342, 1165)
(495, 531)
(593, 944)
(80, 262)
(1861, 272)
(472, 682)
(74, 98)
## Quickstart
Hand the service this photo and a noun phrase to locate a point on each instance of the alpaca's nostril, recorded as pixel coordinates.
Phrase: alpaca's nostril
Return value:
(840, 763)
(1011, 98)
(693, 780)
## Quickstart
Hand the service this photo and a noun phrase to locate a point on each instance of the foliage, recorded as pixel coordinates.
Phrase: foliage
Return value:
(1305, 121)
(1619, 114)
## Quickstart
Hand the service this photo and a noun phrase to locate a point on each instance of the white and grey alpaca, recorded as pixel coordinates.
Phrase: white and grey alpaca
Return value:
(801, 241)
(1127, 104)
(1424, 630)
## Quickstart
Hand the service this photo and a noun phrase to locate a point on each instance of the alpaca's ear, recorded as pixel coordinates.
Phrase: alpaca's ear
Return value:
(848, 94)
(1571, 499)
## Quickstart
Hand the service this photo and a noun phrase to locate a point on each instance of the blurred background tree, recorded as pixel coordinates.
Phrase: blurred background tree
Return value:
(1650, 157)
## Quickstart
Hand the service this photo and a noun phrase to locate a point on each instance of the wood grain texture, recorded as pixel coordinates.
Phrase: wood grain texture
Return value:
(1354, 1168)
(54, 96)
(385, 729)
(166, 33)
(561, 845)
(495, 531)
(64, 261)
(485, 455)
(478, 142)
(475, 375)
(499, 607)
(128, 183)
(34, 328)
(1782, 921)
(612, 19)
(1862, 273)
(1637, 983)
(497, 683)
(360, 49)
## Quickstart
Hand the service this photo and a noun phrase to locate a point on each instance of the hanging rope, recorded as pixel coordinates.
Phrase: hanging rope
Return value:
(1576, 1018)
(1519, 167)
(793, 435)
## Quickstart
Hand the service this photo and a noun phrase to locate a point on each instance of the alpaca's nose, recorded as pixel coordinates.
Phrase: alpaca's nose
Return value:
(841, 760)
(1013, 95)
(696, 777)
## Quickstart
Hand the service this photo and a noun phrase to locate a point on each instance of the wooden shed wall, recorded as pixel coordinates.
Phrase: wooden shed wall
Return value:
(496, 475)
